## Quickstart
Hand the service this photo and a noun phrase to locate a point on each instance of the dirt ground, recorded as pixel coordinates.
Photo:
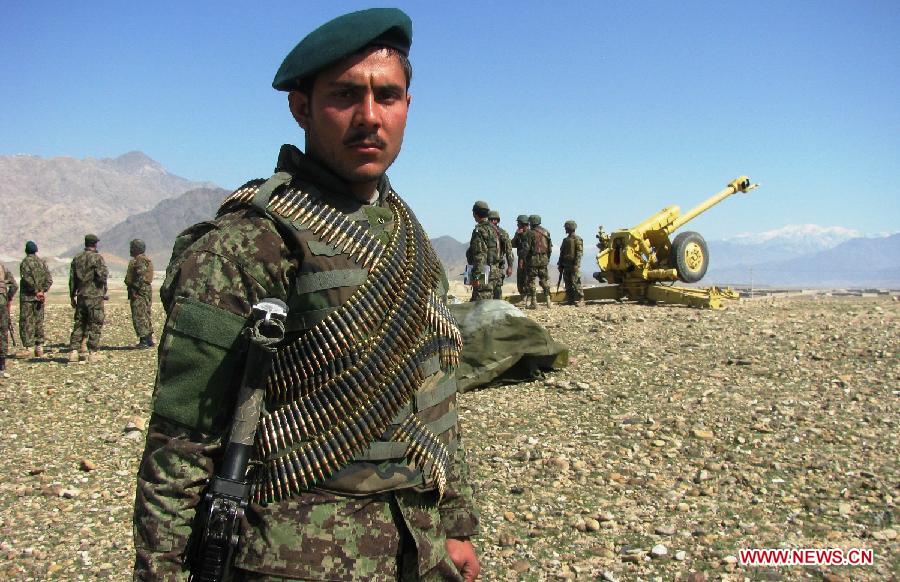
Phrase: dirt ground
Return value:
(675, 438)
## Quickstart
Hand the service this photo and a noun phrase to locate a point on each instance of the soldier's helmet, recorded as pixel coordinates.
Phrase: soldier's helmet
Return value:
(137, 247)
(481, 208)
(570, 226)
(494, 215)
(90, 240)
(522, 219)
(30, 247)
(534, 219)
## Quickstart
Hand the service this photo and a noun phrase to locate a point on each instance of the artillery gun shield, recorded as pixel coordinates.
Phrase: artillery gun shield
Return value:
(689, 256)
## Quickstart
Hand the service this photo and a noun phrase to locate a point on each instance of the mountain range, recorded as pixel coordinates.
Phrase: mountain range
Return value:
(56, 201)
(133, 196)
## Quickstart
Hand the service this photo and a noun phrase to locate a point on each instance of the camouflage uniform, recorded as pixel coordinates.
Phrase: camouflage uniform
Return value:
(516, 243)
(374, 520)
(138, 281)
(504, 257)
(8, 288)
(87, 290)
(537, 259)
(570, 252)
(484, 248)
(36, 280)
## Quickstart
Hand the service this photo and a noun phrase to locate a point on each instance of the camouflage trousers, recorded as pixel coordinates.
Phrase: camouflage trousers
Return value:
(497, 282)
(89, 316)
(572, 280)
(538, 272)
(397, 535)
(31, 323)
(520, 280)
(4, 333)
(482, 292)
(140, 314)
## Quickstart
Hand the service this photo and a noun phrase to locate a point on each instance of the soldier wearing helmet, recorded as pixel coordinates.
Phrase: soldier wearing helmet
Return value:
(570, 252)
(505, 257)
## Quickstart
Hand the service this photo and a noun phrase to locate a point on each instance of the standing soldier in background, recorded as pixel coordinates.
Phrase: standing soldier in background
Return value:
(8, 290)
(569, 264)
(87, 291)
(138, 282)
(36, 281)
(484, 248)
(504, 257)
(517, 243)
(539, 248)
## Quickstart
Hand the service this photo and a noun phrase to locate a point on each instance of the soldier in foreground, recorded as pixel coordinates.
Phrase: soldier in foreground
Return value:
(138, 282)
(483, 253)
(36, 280)
(8, 288)
(517, 243)
(504, 257)
(87, 292)
(539, 246)
(359, 469)
(570, 251)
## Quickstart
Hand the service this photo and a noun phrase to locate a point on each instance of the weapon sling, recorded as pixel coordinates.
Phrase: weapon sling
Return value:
(228, 493)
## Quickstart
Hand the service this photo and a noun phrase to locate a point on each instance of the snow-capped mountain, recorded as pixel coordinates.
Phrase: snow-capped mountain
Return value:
(801, 238)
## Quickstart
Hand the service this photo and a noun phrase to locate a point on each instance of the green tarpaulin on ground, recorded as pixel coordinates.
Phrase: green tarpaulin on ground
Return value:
(502, 345)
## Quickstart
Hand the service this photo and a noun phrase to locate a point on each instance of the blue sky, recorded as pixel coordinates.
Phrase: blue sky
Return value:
(599, 111)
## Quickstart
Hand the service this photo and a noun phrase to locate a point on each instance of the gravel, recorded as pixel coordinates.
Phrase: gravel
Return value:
(675, 438)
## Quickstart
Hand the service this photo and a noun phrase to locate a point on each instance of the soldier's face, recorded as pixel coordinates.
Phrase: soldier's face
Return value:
(355, 115)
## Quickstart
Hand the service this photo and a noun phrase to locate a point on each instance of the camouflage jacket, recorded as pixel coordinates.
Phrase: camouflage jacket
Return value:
(570, 251)
(35, 277)
(87, 275)
(139, 276)
(484, 249)
(337, 529)
(8, 286)
(533, 255)
(505, 258)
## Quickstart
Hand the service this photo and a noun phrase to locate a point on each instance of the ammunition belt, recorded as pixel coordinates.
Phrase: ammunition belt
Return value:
(336, 388)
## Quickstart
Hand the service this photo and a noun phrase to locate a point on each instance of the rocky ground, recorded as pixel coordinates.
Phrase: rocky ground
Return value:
(675, 438)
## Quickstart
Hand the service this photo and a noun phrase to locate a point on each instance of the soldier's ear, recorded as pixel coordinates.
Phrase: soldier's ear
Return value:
(300, 104)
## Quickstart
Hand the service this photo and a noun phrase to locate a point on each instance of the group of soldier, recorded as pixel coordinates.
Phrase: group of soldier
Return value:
(490, 258)
(88, 276)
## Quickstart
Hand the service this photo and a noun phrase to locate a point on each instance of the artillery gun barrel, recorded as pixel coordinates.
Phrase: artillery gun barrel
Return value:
(739, 184)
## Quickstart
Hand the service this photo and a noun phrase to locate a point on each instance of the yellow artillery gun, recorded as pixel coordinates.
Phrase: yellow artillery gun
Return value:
(638, 261)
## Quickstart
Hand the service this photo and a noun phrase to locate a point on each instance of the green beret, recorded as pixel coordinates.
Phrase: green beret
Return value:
(30, 247)
(534, 219)
(90, 240)
(570, 225)
(494, 215)
(340, 38)
(522, 219)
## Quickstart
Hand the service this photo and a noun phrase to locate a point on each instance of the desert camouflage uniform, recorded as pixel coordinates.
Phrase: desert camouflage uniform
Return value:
(87, 287)
(361, 528)
(35, 278)
(484, 248)
(504, 260)
(570, 252)
(517, 243)
(138, 281)
(537, 262)
(8, 288)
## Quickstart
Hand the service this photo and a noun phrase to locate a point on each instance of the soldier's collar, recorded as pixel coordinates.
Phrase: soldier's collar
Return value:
(293, 161)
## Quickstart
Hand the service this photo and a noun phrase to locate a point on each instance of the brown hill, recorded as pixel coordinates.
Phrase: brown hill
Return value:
(55, 201)
(159, 226)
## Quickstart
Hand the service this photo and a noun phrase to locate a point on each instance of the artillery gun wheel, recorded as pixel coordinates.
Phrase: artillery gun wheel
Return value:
(689, 256)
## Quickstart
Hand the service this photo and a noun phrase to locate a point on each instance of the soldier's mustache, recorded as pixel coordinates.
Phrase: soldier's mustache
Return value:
(365, 137)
